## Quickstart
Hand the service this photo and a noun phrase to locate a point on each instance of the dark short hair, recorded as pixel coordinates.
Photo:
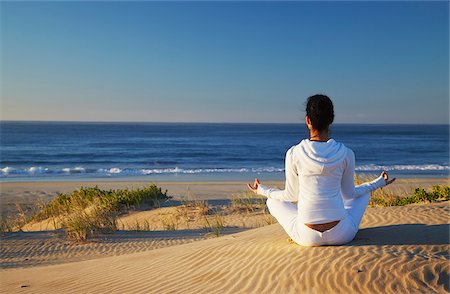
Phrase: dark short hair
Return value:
(319, 109)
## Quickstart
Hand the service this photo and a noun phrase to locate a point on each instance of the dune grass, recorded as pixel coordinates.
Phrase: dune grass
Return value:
(87, 212)
(83, 223)
(419, 195)
(120, 199)
(245, 210)
(385, 197)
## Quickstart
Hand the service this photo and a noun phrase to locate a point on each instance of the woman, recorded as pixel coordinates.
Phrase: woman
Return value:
(320, 178)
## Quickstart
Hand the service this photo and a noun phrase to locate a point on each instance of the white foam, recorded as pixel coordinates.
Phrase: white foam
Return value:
(37, 170)
(209, 170)
(7, 170)
(114, 170)
(74, 170)
(400, 167)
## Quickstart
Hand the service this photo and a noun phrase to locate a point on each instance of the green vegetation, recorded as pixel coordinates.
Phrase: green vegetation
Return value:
(86, 212)
(214, 226)
(89, 211)
(12, 222)
(117, 200)
(170, 223)
(419, 195)
(215, 218)
(387, 196)
(83, 223)
(248, 203)
(9, 224)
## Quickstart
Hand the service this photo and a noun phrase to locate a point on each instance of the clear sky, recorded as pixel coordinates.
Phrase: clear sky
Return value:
(380, 62)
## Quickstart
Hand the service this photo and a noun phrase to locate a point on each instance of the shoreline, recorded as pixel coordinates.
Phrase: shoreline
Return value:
(194, 177)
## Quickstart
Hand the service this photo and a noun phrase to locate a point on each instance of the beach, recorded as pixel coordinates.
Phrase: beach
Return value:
(25, 194)
(398, 249)
(129, 131)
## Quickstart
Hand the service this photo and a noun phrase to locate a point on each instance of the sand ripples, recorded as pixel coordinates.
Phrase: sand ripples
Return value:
(392, 254)
(45, 248)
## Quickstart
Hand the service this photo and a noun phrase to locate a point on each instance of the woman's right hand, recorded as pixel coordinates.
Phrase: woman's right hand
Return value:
(254, 188)
(386, 178)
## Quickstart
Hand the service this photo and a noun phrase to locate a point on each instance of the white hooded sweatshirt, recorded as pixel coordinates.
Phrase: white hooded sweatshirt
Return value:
(320, 177)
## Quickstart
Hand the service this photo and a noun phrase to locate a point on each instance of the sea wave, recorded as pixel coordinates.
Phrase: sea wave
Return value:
(403, 167)
(118, 171)
(10, 171)
(74, 170)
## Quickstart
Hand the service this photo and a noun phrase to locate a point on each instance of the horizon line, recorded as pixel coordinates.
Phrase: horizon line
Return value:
(205, 122)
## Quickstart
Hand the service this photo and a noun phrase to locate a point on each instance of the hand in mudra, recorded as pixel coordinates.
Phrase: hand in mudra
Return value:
(386, 178)
(254, 188)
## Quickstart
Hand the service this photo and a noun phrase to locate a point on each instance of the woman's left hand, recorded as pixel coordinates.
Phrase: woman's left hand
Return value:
(386, 178)
(254, 188)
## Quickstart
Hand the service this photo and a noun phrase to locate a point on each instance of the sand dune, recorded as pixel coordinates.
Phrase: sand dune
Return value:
(398, 250)
(51, 247)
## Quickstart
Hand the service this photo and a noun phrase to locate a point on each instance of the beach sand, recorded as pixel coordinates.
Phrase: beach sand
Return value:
(397, 250)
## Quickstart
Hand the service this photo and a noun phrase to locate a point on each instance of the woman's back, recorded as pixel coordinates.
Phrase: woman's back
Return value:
(320, 167)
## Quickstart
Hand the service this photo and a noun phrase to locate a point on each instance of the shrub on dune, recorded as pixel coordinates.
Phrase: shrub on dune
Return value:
(86, 212)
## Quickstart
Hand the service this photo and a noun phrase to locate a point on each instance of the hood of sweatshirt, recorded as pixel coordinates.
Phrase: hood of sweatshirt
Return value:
(320, 157)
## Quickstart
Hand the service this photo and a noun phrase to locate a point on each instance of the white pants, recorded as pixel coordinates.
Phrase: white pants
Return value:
(286, 214)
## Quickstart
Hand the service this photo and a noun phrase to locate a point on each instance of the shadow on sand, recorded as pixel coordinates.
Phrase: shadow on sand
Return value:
(120, 235)
(403, 234)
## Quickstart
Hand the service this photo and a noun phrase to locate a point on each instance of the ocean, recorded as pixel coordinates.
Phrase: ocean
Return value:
(52, 151)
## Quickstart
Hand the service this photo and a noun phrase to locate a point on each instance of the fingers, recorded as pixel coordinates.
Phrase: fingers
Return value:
(254, 188)
(256, 185)
(386, 177)
(390, 181)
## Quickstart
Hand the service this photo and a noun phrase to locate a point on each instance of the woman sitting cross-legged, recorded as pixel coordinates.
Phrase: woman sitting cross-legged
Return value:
(320, 178)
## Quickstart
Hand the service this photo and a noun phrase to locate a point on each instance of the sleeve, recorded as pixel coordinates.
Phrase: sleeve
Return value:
(348, 189)
(290, 192)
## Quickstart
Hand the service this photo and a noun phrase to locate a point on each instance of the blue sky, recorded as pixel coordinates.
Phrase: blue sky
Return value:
(380, 62)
